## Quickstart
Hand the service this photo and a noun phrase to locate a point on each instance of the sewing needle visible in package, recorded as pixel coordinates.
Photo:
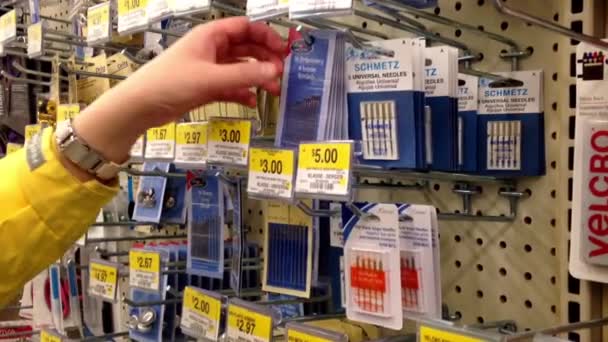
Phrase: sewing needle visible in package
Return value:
(132, 16)
(372, 265)
(511, 130)
(420, 282)
(206, 227)
(314, 8)
(191, 145)
(187, 7)
(150, 193)
(589, 245)
(160, 142)
(266, 9)
(174, 201)
(384, 114)
(468, 93)
(441, 86)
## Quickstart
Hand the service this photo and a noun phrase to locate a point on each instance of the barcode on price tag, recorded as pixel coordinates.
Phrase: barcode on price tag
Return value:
(144, 269)
(98, 24)
(103, 279)
(8, 27)
(303, 8)
(325, 169)
(271, 173)
(160, 142)
(132, 15)
(428, 334)
(49, 336)
(229, 141)
(201, 314)
(246, 324)
(191, 148)
(67, 111)
(31, 130)
(34, 40)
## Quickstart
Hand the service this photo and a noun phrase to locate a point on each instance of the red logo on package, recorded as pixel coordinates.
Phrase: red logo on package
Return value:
(8, 333)
(369, 279)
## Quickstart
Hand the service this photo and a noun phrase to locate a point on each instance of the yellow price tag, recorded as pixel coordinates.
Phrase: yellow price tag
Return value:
(12, 148)
(103, 280)
(428, 334)
(34, 33)
(201, 314)
(202, 304)
(144, 269)
(298, 336)
(67, 111)
(230, 131)
(98, 15)
(271, 161)
(128, 6)
(31, 130)
(244, 324)
(8, 26)
(46, 336)
(191, 134)
(325, 156)
(162, 133)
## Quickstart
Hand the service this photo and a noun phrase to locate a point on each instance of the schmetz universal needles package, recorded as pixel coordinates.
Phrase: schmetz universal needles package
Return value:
(589, 245)
(441, 86)
(511, 130)
(468, 104)
(385, 114)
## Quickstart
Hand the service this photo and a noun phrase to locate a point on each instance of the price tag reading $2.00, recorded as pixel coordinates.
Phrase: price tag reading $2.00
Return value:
(201, 314)
(144, 269)
(103, 280)
(247, 325)
(160, 142)
(132, 15)
(98, 23)
(324, 168)
(191, 141)
(34, 40)
(67, 111)
(229, 141)
(271, 172)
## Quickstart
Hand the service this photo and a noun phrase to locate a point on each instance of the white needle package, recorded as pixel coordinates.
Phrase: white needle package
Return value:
(468, 104)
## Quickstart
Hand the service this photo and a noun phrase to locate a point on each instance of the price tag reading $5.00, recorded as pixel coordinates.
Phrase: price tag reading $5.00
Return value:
(103, 279)
(324, 168)
(160, 142)
(248, 325)
(144, 269)
(201, 314)
(132, 15)
(271, 172)
(98, 24)
(191, 139)
(67, 111)
(229, 141)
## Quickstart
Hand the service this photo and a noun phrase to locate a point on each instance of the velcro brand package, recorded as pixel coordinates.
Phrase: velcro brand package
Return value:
(468, 104)
(441, 86)
(511, 130)
(385, 114)
(589, 244)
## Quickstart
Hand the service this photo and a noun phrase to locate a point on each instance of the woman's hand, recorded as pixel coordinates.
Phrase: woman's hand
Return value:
(209, 64)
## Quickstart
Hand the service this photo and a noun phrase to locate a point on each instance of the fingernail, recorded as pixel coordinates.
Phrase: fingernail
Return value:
(268, 70)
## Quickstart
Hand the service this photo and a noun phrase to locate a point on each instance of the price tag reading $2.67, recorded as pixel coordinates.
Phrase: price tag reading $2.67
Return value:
(247, 325)
(103, 280)
(324, 168)
(229, 141)
(144, 269)
(201, 314)
(271, 172)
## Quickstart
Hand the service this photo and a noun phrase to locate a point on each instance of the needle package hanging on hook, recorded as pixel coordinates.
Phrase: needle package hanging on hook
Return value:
(174, 200)
(150, 193)
(468, 94)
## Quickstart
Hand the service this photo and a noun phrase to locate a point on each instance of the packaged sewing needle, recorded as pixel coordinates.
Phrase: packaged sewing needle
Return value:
(468, 94)
(266, 9)
(372, 265)
(150, 193)
(297, 332)
(589, 246)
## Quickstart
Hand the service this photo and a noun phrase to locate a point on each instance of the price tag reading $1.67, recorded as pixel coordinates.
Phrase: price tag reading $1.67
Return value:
(229, 141)
(67, 111)
(324, 168)
(271, 172)
(201, 314)
(160, 142)
(191, 145)
(103, 279)
(248, 325)
(144, 269)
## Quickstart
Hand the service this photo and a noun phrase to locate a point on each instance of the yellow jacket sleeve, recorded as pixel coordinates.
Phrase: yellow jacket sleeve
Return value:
(44, 209)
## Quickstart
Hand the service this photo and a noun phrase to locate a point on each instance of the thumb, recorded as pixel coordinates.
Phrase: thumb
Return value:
(243, 75)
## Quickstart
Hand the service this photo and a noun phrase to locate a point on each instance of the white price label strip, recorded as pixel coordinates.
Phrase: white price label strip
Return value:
(144, 269)
(201, 314)
(98, 24)
(229, 141)
(324, 168)
(271, 173)
(103, 280)
(34, 40)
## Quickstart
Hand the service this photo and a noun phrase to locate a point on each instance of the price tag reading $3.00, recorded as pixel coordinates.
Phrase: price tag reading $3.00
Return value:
(248, 325)
(103, 279)
(229, 141)
(144, 269)
(191, 141)
(160, 142)
(67, 111)
(271, 172)
(201, 314)
(324, 168)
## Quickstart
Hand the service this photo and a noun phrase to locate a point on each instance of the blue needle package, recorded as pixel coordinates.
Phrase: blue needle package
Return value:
(468, 104)
(386, 104)
(441, 86)
(206, 227)
(174, 203)
(150, 193)
(511, 131)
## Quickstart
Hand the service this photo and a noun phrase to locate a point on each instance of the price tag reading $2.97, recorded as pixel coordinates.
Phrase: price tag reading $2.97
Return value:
(103, 280)
(201, 314)
(191, 141)
(144, 269)
(271, 172)
(324, 168)
(229, 141)
(248, 325)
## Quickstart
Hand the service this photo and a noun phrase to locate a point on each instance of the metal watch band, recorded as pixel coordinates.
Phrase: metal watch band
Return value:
(80, 153)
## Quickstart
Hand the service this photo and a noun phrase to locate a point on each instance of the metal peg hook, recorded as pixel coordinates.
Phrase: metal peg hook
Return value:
(23, 80)
(360, 213)
(308, 39)
(315, 212)
(69, 71)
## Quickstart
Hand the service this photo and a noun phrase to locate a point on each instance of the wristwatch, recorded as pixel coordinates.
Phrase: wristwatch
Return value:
(80, 153)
